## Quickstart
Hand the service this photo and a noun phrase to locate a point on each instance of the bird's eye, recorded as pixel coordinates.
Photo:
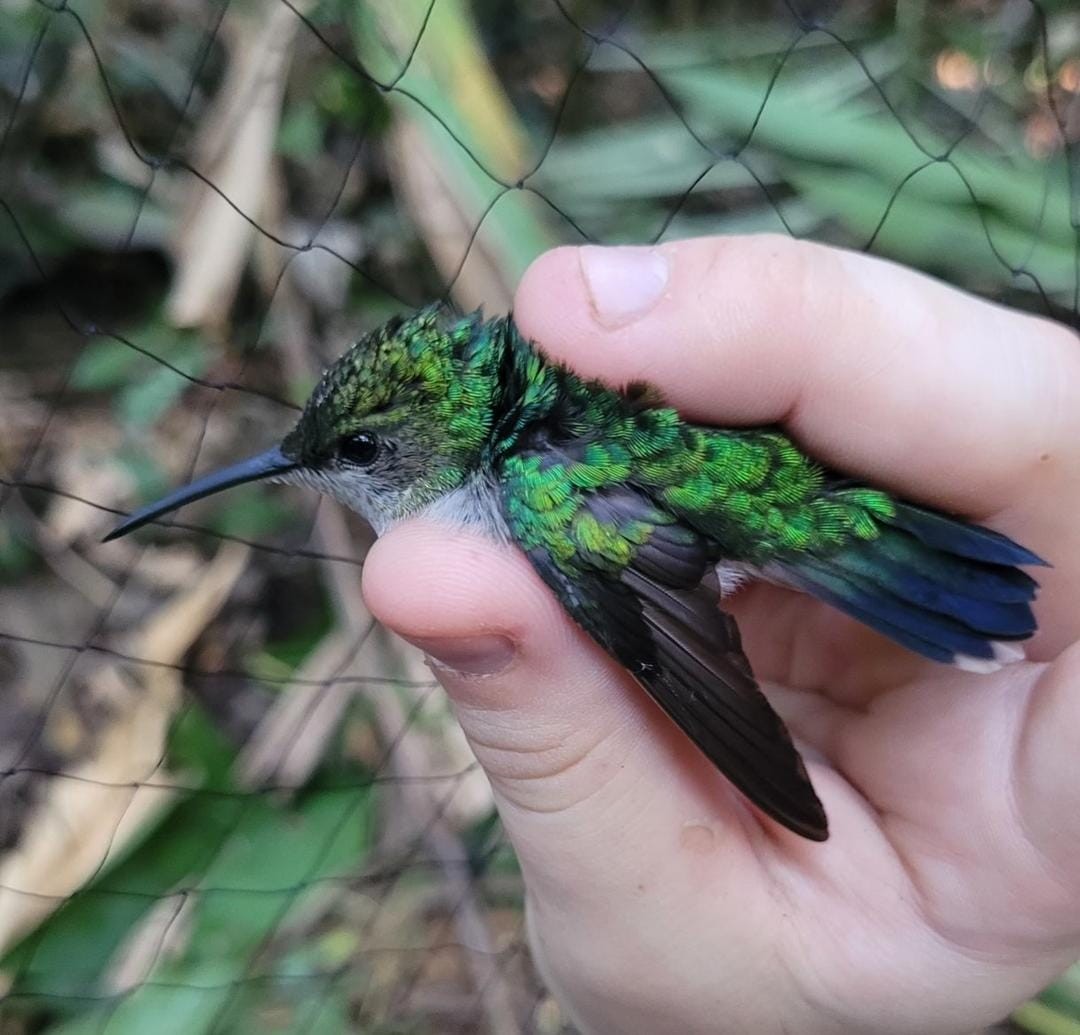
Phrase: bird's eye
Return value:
(359, 449)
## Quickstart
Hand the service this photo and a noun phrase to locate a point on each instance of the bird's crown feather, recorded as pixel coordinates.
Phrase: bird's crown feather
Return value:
(432, 367)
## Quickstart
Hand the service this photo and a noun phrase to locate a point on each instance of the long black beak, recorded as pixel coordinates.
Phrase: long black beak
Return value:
(265, 465)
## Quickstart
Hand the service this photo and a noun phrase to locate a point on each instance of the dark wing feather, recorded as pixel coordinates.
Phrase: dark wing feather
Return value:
(655, 618)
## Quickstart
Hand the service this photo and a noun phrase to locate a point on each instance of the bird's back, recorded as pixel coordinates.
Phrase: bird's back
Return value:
(947, 589)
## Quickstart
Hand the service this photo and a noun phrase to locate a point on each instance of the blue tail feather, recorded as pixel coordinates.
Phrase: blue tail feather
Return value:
(840, 599)
(876, 604)
(992, 617)
(960, 575)
(959, 538)
(943, 588)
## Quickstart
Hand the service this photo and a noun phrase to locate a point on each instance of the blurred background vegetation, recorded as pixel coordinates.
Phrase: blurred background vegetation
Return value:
(229, 802)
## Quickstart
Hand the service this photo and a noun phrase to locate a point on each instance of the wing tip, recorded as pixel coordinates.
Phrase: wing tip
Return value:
(816, 830)
(812, 825)
(808, 820)
(817, 834)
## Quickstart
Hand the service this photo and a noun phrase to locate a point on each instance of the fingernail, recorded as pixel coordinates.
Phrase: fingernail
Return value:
(468, 655)
(623, 282)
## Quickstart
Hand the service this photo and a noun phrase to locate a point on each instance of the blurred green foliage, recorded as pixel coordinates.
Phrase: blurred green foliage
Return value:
(236, 867)
(807, 136)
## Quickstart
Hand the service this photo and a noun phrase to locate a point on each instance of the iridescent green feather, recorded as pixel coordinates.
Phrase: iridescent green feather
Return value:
(462, 399)
(752, 492)
(760, 503)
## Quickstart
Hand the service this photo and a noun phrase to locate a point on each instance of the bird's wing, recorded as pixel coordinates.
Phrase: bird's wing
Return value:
(630, 576)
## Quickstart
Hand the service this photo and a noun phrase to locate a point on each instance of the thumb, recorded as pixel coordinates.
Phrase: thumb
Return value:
(593, 782)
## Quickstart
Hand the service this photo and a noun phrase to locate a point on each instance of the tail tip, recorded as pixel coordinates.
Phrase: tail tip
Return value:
(1004, 654)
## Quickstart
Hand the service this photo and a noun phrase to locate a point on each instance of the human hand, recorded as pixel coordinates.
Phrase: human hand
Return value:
(658, 901)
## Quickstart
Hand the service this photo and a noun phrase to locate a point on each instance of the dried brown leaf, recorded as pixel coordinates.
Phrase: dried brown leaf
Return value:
(88, 814)
(235, 153)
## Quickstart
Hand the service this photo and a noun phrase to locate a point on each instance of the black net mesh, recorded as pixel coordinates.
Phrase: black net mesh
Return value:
(227, 798)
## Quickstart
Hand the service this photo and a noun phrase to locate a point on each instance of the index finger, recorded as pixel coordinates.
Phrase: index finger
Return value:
(878, 371)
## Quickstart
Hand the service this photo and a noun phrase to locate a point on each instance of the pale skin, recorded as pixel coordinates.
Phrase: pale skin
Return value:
(658, 900)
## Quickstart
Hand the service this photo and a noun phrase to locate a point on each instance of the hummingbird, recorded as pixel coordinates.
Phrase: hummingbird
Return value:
(639, 522)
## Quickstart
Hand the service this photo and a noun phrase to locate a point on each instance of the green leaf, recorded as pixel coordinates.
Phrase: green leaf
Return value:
(252, 513)
(938, 237)
(102, 214)
(242, 861)
(1032, 196)
(300, 134)
(146, 400)
(1039, 1018)
(103, 364)
(648, 159)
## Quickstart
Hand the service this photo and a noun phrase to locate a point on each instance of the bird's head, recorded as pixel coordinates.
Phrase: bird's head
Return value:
(402, 418)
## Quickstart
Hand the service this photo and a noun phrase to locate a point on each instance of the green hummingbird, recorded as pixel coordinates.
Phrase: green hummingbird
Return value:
(638, 521)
